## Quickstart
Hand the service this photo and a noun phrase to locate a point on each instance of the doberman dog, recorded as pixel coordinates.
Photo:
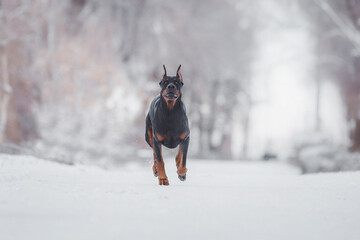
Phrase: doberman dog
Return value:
(167, 124)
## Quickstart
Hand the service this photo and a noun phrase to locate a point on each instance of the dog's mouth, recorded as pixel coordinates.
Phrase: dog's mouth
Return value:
(171, 95)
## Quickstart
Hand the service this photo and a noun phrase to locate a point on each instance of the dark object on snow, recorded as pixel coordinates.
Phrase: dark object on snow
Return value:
(167, 124)
(268, 156)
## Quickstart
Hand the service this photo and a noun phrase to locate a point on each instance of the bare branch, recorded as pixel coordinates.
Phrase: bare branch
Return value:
(345, 26)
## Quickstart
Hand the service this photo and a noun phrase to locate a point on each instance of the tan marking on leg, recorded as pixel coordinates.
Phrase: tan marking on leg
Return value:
(151, 140)
(178, 158)
(155, 171)
(160, 166)
(150, 134)
(181, 170)
(163, 180)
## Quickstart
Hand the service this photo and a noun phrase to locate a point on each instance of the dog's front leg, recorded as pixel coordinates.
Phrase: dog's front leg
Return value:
(181, 159)
(163, 180)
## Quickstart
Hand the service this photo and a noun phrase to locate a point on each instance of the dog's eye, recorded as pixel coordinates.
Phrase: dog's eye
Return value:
(176, 83)
(166, 82)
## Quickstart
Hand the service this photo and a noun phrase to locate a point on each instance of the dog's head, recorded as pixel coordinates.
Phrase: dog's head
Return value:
(171, 87)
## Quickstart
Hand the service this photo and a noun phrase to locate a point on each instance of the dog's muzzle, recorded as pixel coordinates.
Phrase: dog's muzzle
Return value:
(171, 91)
(171, 95)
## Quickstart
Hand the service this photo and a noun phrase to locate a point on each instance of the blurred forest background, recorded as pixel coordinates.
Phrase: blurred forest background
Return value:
(275, 79)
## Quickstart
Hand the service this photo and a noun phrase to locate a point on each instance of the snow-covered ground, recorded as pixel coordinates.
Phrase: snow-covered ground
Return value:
(220, 200)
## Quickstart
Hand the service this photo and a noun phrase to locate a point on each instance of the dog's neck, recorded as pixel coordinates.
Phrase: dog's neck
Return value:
(170, 105)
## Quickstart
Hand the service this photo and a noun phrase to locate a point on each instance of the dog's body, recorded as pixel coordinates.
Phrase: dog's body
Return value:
(167, 124)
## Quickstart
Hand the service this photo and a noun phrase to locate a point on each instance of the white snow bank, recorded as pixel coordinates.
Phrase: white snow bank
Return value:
(220, 200)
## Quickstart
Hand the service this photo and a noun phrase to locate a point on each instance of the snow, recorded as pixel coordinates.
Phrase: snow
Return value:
(40, 199)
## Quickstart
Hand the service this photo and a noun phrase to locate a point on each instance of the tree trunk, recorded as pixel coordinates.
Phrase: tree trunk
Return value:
(317, 110)
(5, 90)
(246, 134)
(355, 137)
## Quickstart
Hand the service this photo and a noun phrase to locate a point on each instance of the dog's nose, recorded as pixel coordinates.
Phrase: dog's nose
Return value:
(171, 86)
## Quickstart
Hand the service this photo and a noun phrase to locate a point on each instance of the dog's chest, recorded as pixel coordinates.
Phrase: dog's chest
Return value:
(171, 123)
(170, 131)
(171, 141)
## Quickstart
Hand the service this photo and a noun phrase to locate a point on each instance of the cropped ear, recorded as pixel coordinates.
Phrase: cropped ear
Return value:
(164, 74)
(178, 74)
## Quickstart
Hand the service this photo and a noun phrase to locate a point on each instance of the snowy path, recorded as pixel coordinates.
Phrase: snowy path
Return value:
(220, 200)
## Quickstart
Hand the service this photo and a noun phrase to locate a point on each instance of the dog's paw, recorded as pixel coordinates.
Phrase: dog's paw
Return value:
(163, 181)
(182, 173)
(182, 177)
